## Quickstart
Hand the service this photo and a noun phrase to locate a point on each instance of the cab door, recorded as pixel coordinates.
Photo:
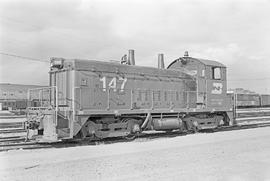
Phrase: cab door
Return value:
(201, 87)
(217, 87)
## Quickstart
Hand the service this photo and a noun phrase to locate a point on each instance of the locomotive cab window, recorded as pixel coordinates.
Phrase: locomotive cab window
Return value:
(216, 73)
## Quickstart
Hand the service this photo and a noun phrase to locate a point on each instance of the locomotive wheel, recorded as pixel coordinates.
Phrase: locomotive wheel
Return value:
(131, 136)
(133, 127)
(195, 129)
(88, 131)
(195, 126)
(190, 126)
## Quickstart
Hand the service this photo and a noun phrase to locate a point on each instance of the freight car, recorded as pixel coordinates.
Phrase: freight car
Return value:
(265, 100)
(97, 99)
(250, 100)
(20, 104)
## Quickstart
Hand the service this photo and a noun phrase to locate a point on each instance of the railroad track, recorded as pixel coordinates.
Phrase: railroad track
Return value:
(252, 113)
(20, 130)
(22, 145)
(19, 142)
(244, 119)
(11, 138)
(7, 125)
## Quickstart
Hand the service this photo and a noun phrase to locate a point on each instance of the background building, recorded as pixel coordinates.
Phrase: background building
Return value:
(14, 96)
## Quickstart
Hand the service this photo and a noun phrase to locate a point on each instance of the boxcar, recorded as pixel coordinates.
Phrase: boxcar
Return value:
(265, 100)
(248, 100)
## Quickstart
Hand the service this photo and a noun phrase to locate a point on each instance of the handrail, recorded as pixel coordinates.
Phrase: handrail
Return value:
(38, 96)
(183, 95)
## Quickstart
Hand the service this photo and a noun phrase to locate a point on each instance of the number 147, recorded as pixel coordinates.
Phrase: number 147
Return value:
(113, 83)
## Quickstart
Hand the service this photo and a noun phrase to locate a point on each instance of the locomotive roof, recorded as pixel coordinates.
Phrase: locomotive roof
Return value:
(203, 61)
(211, 62)
(102, 66)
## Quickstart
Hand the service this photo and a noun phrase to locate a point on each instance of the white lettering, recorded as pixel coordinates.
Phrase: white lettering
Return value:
(113, 83)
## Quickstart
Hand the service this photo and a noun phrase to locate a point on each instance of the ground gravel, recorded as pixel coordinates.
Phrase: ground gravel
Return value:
(236, 155)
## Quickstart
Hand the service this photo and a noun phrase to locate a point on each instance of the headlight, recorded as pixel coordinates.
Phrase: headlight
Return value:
(57, 63)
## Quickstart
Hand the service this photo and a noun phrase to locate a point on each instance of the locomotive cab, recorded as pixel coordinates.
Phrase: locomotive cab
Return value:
(211, 81)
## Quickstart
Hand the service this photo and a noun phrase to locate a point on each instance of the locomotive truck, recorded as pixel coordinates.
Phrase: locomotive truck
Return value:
(97, 99)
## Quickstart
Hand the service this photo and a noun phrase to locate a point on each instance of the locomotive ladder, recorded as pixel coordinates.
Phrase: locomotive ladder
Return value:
(42, 111)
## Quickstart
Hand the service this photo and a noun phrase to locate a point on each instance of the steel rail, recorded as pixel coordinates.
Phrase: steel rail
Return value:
(148, 136)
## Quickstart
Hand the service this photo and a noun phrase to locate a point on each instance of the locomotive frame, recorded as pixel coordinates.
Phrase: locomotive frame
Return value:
(107, 99)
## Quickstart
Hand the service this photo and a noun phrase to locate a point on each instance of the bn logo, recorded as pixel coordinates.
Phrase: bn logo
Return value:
(217, 88)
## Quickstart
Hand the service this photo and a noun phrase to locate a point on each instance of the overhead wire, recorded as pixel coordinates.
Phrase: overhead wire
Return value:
(60, 35)
(46, 61)
(23, 57)
(77, 38)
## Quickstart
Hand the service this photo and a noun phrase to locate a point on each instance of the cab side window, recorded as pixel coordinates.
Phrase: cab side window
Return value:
(216, 73)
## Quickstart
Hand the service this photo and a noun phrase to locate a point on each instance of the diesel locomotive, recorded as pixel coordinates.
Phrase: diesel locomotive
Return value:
(97, 99)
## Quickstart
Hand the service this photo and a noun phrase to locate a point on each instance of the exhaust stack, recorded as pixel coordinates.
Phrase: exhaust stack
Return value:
(131, 57)
(186, 54)
(161, 61)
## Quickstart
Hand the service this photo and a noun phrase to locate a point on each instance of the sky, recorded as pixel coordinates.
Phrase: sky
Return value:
(233, 32)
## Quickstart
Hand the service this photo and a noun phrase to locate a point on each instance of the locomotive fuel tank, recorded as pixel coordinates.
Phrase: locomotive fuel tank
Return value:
(167, 123)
